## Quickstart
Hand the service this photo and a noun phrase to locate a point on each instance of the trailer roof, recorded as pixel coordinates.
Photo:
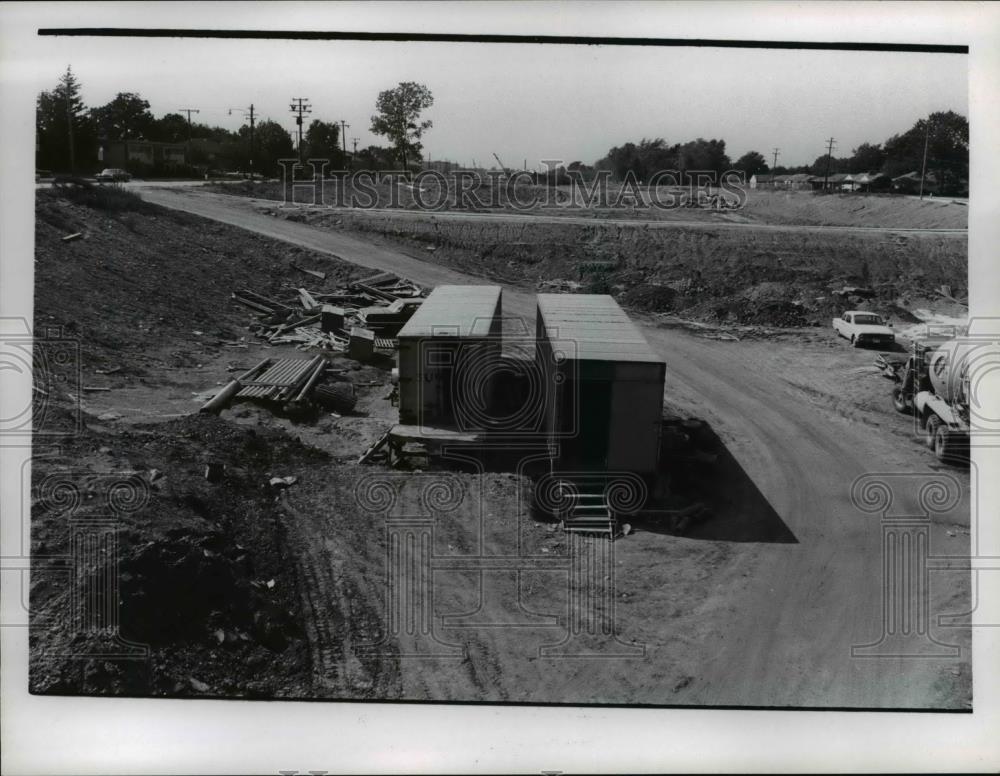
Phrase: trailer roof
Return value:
(455, 311)
(593, 328)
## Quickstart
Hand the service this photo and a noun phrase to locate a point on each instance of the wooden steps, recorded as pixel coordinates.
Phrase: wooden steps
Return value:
(588, 511)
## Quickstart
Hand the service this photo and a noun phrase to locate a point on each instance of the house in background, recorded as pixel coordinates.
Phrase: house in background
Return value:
(871, 181)
(910, 183)
(142, 155)
(784, 181)
(834, 182)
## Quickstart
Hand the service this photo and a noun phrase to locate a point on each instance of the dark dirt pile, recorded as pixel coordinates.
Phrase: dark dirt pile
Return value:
(205, 584)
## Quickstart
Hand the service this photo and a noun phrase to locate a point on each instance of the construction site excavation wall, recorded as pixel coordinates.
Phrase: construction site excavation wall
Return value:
(448, 352)
(605, 409)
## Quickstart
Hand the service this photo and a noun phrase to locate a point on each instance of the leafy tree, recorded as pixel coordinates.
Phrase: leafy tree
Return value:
(947, 136)
(837, 166)
(751, 163)
(323, 142)
(376, 158)
(271, 143)
(642, 161)
(704, 155)
(867, 158)
(126, 117)
(67, 138)
(171, 128)
(398, 117)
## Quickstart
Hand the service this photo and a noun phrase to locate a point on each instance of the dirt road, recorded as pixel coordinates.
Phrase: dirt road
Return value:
(783, 634)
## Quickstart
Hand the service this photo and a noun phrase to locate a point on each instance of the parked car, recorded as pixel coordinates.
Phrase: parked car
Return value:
(113, 175)
(865, 328)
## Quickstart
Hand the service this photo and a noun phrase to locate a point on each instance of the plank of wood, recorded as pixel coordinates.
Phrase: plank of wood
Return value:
(313, 272)
(375, 447)
(307, 300)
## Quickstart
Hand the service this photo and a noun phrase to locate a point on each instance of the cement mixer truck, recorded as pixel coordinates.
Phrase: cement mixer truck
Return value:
(933, 385)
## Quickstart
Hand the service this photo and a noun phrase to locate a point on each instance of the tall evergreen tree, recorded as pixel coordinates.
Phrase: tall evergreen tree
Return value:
(66, 135)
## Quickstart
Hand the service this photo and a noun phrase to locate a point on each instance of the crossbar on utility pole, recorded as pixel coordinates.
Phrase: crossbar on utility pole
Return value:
(300, 106)
(188, 111)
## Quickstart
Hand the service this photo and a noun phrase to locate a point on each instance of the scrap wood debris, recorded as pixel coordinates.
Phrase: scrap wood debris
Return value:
(363, 316)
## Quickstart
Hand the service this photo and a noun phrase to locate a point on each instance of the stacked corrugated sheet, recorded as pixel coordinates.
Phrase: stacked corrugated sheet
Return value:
(282, 381)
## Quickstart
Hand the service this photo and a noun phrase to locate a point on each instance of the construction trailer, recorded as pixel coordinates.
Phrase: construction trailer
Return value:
(448, 354)
(603, 404)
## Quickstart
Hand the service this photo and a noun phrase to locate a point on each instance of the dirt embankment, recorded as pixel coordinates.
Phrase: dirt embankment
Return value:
(207, 583)
(149, 287)
(807, 208)
(717, 276)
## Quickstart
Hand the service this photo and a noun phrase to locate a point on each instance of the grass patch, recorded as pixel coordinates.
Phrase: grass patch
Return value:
(108, 199)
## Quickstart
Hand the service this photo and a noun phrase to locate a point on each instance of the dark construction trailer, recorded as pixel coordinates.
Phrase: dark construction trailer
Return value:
(448, 355)
(604, 405)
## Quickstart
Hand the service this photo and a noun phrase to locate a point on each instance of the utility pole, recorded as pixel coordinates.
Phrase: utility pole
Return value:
(300, 106)
(355, 141)
(923, 164)
(248, 112)
(774, 164)
(251, 141)
(829, 154)
(343, 136)
(188, 111)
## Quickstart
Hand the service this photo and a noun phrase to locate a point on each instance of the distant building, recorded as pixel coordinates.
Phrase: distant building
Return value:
(836, 181)
(143, 153)
(441, 166)
(910, 183)
(871, 181)
(786, 181)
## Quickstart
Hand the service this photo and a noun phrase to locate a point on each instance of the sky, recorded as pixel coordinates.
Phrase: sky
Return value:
(529, 102)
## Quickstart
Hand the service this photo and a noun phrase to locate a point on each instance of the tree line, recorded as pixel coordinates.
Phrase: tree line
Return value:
(69, 134)
(946, 135)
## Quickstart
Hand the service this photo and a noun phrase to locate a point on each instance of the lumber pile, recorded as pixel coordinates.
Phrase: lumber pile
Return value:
(372, 309)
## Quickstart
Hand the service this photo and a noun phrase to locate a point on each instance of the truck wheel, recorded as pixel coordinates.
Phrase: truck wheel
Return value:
(900, 402)
(947, 445)
(930, 430)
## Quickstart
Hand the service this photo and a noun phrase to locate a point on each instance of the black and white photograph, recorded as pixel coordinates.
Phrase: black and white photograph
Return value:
(527, 358)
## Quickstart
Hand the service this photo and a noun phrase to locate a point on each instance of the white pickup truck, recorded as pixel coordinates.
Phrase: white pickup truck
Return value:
(864, 328)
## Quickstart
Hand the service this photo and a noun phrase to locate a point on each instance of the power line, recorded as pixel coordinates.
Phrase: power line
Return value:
(300, 106)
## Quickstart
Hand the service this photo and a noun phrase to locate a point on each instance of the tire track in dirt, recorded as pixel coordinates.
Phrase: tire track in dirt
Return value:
(336, 604)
